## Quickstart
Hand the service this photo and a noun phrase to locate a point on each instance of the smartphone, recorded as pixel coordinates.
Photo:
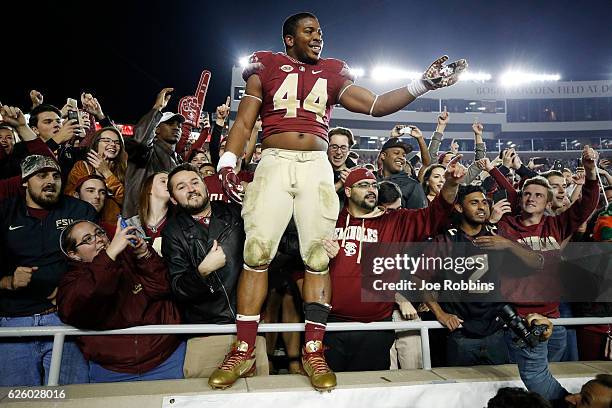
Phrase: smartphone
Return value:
(125, 224)
(540, 160)
(73, 115)
(406, 130)
(500, 195)
(557, 165)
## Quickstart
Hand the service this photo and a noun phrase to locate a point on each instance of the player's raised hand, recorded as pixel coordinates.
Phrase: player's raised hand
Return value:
(231, 184)
(439, 75)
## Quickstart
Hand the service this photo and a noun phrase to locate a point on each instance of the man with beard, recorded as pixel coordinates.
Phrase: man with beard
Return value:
(359, 222)
(480, 339)
(30, 228)
(202, 245)
(151, 150)
(393, 155)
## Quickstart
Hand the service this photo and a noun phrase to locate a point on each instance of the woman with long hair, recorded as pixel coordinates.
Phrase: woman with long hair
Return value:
(153, 206)
(107, 158)
(433, 180)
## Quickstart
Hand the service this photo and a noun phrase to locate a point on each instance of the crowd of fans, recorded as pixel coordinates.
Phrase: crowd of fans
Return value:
(101, 231)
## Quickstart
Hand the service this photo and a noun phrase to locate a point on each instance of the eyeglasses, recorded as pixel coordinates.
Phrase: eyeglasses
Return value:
(366, 185)
(107, 140)
(335, 147)
(90, 239)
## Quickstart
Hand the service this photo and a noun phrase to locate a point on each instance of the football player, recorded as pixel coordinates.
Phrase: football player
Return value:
(294, 93)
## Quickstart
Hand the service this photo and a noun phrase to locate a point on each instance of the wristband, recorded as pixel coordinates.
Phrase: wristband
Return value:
(228, 159)
(417, 88)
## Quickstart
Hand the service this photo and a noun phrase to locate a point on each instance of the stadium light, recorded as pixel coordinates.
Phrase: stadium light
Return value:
(514, 78)
(475, 76)
(244, 61)
(357, 72)
(383, 73)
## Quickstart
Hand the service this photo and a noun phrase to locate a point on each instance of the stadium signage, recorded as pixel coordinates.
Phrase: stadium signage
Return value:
(557, 89)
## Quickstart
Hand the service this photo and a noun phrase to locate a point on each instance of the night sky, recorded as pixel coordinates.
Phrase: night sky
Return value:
(125, 52)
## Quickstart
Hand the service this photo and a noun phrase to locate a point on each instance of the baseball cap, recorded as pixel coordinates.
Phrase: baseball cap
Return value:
(83, 179)
(36, 163)
(357, 174)
(396, 142)
(171, 116)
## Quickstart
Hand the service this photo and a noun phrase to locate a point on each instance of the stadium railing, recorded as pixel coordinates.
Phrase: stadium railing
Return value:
(59, 333)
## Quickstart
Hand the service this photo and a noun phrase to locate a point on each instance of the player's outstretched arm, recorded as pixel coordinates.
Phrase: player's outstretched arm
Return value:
(358, 99)
(238, 136)
(248, 110)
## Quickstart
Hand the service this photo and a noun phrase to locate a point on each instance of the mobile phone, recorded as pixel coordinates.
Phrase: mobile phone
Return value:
(557, 165)
(72, 102)
(125, 224)
(406, 130)
(73, 115)
(540, 160)
(500, 195)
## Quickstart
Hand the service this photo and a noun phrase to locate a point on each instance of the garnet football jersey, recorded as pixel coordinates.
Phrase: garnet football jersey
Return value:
(297, 97)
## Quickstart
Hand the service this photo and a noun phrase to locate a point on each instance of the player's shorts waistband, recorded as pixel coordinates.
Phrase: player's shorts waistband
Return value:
(295, 155)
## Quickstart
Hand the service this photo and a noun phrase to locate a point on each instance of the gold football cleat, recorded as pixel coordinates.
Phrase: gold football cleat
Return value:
(239, 362)
(321, 376)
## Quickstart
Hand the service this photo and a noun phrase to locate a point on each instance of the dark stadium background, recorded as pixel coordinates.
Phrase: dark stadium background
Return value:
(125, 52)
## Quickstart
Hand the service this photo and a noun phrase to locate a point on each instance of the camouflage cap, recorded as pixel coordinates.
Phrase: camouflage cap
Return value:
(36, 163)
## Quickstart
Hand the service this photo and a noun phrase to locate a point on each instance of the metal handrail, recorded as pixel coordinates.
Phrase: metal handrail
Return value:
(60, 332)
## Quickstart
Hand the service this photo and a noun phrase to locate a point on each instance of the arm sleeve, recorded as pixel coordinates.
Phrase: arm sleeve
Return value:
(86, 293)
(504, 184)
(78, 171)
(525, 172)
(580, 211)
(201, 140)
(480, 151)
(417, 225)
(186, 282)
(434, 146)
(37, 146)
(144, 131)
(215, 144)
(154, 274)
(116, 187)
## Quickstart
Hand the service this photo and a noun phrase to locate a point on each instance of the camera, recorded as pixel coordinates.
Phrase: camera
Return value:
(526, 336)
(406, 130)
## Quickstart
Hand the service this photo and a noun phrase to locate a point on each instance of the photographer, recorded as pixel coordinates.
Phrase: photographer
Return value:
(536, 375)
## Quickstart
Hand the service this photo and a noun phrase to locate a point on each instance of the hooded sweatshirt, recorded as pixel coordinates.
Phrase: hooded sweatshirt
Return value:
(378, 226)
(547, 237)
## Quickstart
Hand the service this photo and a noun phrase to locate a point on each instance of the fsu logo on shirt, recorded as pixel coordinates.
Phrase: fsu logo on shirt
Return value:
(350, 249)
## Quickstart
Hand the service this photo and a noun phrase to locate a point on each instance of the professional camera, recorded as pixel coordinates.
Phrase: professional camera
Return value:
(527, 336)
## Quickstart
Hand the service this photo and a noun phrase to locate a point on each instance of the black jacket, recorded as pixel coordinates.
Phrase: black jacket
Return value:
(28, 241)
(413, 196)
(185, 243)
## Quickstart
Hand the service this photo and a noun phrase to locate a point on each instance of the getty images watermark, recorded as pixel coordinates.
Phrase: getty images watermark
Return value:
(462, 272)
